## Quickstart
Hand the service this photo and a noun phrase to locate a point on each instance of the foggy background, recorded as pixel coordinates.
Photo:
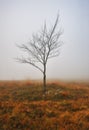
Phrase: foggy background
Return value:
(19, 19)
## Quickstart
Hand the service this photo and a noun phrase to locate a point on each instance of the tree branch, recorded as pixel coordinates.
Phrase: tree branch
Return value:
(28, 62)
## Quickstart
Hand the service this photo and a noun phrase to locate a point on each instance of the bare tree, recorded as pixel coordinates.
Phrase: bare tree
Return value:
(41, 47)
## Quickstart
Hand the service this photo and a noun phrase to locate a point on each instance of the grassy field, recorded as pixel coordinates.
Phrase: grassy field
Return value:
(24, 107)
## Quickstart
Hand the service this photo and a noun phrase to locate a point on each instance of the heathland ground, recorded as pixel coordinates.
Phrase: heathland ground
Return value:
(23, 106)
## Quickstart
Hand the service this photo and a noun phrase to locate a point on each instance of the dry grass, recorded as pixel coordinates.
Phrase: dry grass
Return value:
(22, 106)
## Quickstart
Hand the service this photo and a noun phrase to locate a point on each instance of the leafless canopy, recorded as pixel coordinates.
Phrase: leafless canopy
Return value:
(42, 46)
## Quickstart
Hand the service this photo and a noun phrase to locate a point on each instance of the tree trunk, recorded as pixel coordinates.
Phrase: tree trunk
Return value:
(44, 79)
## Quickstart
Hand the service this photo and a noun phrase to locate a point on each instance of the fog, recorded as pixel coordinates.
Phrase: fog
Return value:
(19, 19)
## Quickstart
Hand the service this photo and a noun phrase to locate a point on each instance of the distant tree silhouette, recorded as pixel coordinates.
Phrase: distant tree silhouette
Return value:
(43, 46)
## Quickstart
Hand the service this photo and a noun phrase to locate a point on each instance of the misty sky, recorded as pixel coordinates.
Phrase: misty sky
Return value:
(20, 18)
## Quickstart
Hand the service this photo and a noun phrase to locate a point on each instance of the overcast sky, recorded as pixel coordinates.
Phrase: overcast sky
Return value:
(20, 18)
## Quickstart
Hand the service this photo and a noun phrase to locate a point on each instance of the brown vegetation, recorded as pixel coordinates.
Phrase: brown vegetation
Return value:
(23, 106)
